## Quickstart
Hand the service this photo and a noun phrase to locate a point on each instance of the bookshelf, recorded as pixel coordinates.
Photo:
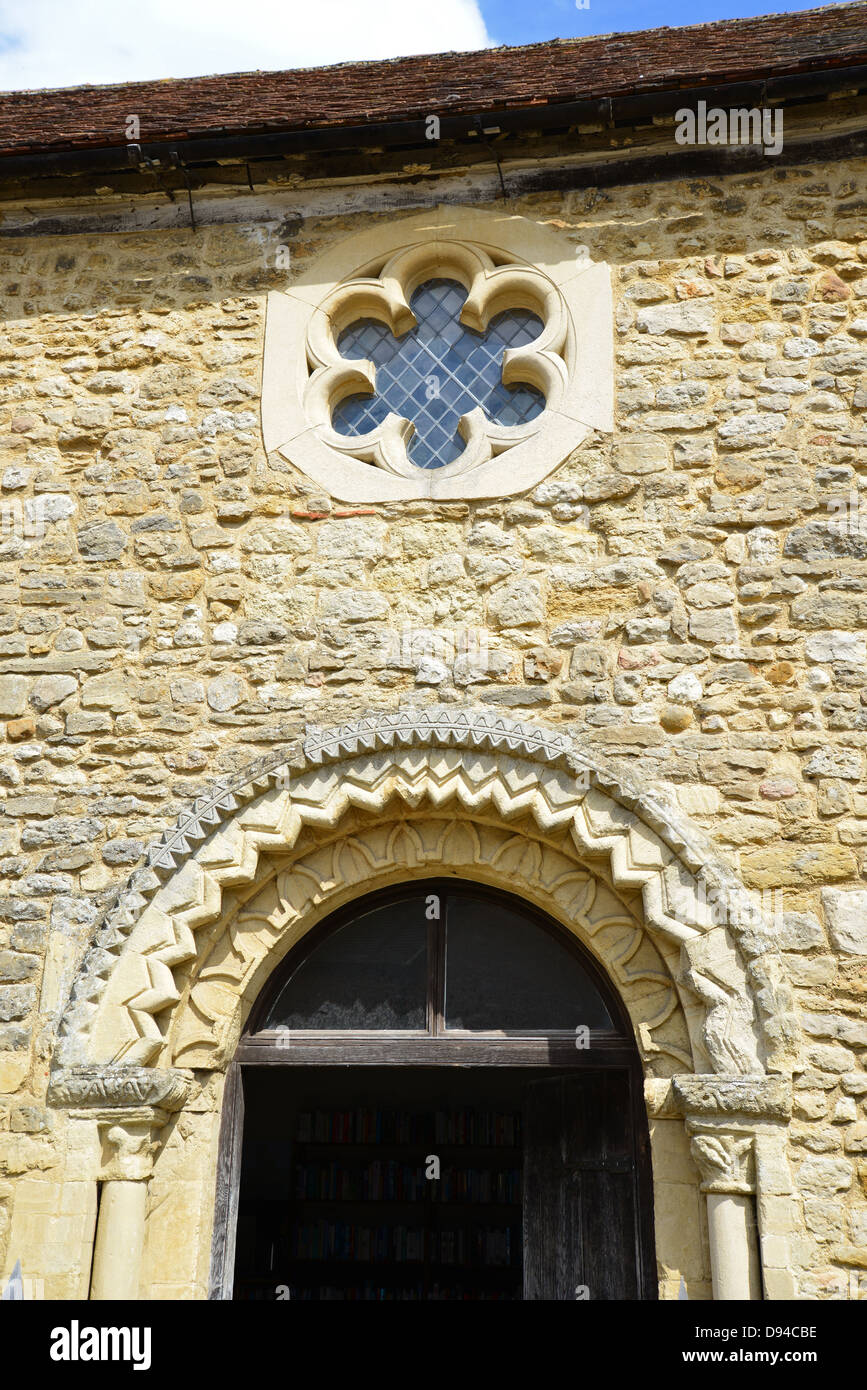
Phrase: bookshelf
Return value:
(342, 1208)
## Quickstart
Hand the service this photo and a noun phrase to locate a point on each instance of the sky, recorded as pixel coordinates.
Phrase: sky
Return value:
(64, 43)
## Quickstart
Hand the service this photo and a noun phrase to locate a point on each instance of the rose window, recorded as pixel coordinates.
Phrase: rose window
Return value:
(426, 365)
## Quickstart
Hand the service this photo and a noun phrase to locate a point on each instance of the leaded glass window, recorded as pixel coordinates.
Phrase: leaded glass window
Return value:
(371, 973)
(437, 372)
(483, 964)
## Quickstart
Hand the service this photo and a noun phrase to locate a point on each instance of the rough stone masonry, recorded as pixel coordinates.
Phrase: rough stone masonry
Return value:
(687, 596)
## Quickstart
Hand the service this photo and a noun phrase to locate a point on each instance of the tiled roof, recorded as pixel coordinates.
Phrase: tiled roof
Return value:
(354, 94)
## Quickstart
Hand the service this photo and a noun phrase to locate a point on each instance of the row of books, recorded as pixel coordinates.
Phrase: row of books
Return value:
(391, 1181)
(371, 1292)
(479, 1185)
(372, 1182)
(492, 1128)
(365, 1125)
(479, 1246)
(360, 1126)
(344, 1240)
(368, 1292)
(460, 1293)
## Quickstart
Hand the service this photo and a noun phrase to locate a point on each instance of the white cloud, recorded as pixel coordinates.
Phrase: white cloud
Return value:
(63, 43)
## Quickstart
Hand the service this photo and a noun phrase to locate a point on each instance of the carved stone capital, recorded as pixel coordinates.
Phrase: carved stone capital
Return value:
(724, 1159)
(129, 1088)
(129, 1144)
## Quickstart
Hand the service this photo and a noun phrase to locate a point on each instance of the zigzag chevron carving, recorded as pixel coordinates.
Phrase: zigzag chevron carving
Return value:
(361, 854)
(477, 764)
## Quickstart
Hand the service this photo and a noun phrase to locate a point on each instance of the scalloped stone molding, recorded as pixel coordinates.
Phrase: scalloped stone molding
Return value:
(135, 983)
(239, 949)
(503, 262)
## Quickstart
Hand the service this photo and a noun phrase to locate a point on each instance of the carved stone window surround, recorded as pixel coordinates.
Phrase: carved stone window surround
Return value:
(504, 263)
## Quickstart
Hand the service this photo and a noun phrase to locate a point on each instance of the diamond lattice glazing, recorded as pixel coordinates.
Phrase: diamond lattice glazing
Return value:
(438, 372)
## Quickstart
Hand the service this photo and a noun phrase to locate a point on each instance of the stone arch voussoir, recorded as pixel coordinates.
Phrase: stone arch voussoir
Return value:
(126, 997)
(330, 867)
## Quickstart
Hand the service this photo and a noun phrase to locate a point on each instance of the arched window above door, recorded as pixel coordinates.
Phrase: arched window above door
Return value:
(369, 973)
(441, 959)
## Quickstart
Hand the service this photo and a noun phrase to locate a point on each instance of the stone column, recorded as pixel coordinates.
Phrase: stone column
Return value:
(725, 1116)
(120, 1230)
(725, 1161)
(129, 1106)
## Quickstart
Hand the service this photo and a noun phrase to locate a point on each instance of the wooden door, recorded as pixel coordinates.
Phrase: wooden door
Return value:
(582, 1235)
(228, 1186)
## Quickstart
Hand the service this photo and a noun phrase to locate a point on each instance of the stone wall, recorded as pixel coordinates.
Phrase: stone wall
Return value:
(688, 596)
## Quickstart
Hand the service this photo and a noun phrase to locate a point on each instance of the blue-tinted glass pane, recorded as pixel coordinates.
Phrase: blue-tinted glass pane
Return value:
(438, 372)
(359, 414)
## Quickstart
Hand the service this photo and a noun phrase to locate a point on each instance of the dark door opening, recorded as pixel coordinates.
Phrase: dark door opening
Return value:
(437, 1098)
(340, 1198)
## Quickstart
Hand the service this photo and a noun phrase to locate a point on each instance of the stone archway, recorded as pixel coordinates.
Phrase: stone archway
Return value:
(175, 967)
(328, 867)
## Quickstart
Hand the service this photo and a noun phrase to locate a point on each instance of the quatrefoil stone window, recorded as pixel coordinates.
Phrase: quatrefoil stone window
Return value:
(444, 365)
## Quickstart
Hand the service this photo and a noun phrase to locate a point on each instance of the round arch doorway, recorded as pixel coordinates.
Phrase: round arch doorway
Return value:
(437, 1097)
